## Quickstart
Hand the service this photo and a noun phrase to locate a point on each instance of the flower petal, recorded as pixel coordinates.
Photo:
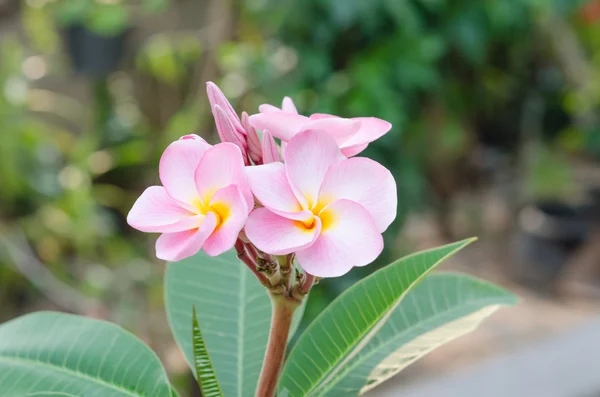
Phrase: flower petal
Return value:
(156, 211)
(270, 153)
(221, 166)
(266, 108)
(174, 247)
(270, 185)
(277, 235)
(371, 128)
(348, 238)
(308, 156)
(365, 182)
(317, 116)
(340, 129)
(281, 124)
(350, 151)
(287, 105)
(177, 166)
(216, 97)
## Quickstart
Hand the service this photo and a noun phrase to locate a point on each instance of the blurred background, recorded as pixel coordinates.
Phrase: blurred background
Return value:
(496, 133)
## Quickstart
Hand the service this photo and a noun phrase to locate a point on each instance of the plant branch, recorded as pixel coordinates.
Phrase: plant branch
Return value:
(25, 262)
(250, 262)
(281, 321)
(309, 281)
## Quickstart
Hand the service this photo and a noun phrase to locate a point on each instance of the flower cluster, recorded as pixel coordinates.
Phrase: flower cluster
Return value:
(314, 200)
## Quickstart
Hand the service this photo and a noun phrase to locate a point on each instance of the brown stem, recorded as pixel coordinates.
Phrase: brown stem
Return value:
(308, 283)
(281, 320)
(252, 251)
(249, 262)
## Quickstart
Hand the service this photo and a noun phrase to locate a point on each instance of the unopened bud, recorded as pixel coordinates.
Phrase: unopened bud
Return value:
(253, 141)
(269, 148)
(227, 132)
(216, 97)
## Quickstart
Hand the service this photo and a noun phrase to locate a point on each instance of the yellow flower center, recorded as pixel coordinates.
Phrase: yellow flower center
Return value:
(327, 217)
(220, 209)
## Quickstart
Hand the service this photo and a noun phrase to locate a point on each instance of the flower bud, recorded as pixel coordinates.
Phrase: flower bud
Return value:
(227, 131)
(253, 141)
(269, 148)
(216, 97)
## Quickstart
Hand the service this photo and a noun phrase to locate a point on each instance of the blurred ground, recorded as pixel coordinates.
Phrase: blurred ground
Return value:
(547, 345)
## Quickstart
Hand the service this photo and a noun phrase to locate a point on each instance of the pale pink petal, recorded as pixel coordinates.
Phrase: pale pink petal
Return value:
(177, 166)
(348, 238)
(253, 141)
(340, 129)
(156, 211)
(193, 137)
(266, 108)
(227, 131)
(232, 211)
(277, 235)
(317, 116)
(371, 128)
(353, 150)
(270, 185)
(174, 247)
(269, 148)
(308, 156)
(365, 182)
(216, 97)
(221, 166)
(288, 105)
(281, 124)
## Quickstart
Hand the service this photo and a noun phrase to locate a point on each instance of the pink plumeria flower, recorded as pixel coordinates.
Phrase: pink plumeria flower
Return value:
(326, 208)
(352, 135)
(204, 201)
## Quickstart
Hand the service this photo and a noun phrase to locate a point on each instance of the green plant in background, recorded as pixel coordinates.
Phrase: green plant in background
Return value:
(101, 17)
(169, 59)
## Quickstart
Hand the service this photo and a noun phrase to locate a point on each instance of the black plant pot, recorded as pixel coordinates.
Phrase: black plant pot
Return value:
(8, 8)
(91, 54)
(548, 235)
(594, 194)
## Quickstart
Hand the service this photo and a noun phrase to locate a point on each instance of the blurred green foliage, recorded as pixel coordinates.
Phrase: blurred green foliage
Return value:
(454, 77)
(106, 18)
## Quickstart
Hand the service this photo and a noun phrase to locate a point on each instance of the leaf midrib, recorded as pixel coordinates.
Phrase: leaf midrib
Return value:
(70, 372)
(369, 354)
(366, 336)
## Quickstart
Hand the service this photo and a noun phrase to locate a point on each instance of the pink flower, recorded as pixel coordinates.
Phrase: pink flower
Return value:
(326, 208)
(351, 135)
(204, 201)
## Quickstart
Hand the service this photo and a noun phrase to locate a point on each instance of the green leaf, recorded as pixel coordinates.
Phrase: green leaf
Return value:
(205, 373)
(55, 354)
(234, 310)
(353, 318)
(107, 19)
(439, 310)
